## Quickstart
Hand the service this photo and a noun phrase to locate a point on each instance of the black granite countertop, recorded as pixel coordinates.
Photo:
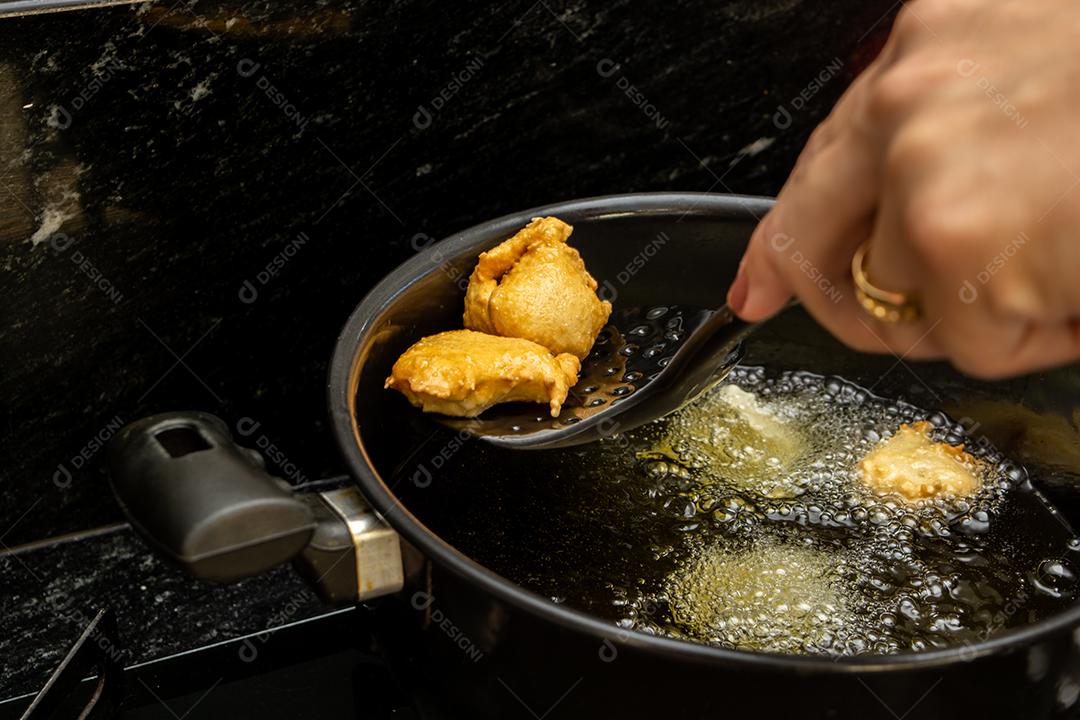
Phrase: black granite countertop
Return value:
(52, 591)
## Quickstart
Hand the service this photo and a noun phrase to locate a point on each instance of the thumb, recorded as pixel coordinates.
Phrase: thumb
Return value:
(759, 291)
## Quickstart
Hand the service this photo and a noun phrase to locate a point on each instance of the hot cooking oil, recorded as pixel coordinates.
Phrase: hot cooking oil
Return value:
(741, 521)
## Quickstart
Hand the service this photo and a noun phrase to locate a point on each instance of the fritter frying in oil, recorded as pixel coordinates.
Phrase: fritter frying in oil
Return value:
(914, 466)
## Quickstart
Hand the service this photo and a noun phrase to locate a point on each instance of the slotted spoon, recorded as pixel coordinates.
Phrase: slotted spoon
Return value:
(647, 362)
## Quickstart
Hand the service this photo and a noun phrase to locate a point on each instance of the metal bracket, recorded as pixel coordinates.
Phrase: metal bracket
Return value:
(94, 649)
(376, 545)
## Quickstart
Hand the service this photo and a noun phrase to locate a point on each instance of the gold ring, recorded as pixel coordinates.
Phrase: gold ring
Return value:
(883, 305)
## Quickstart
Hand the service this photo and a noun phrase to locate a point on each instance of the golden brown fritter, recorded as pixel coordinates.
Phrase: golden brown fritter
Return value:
(463, 373)
(914, 466)
(770, 596)
(733, 437)
(535, 286)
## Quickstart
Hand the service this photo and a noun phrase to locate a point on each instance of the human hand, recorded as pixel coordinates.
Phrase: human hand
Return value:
(956, 156)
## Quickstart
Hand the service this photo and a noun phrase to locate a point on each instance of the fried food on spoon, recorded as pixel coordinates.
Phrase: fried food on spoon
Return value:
(531, 312)
(535, 286)
(463, 373)
(915, 467)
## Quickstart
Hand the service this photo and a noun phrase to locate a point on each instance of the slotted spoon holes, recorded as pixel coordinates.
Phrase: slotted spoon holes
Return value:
(629, 353)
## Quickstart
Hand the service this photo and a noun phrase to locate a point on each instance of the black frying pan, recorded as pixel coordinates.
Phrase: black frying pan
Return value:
(486, 647)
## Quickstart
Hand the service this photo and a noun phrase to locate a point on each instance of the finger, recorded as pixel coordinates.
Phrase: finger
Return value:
(804, 246)
(841, 118)
(771, 289)
(981, 340)
(1046, 346)
(835, 203)
(891, 265)
(757, 275)
(1034, 347)
(930, 232)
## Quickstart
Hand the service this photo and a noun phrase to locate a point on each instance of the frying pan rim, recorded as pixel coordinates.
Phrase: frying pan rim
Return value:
(344, 366)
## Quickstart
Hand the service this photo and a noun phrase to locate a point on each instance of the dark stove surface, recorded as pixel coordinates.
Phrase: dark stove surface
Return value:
(263, 647)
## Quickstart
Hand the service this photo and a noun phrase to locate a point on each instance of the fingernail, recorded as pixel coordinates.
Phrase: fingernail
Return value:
(736, 297)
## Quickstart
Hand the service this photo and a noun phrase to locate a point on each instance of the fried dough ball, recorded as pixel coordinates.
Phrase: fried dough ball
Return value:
(915, 467)
(535, 286)
(770, 596)
(463, 373)
(731, 436)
